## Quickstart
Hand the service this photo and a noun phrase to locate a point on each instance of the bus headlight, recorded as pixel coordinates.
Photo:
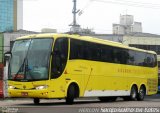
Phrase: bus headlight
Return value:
(41, 87)
(11, 87)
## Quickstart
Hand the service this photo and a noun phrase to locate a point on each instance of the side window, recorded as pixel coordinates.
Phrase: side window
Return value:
(80, 49)
(140, 59)
(155, 60)
(95, 51)
(117, 55)
(131, 60)
(151, 60)
(104, 54)
(107, 53)
(87, 54)
(76, 49)
(59, 57)
(124, 56)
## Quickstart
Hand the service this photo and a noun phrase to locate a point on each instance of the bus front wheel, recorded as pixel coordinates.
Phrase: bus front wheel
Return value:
(70, 94)
(36, 101)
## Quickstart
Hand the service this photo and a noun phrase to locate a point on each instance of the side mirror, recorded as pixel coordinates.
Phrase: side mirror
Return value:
(7, 56)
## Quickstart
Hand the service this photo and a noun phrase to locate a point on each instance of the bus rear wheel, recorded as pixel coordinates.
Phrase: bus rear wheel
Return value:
(70, 94)
(141, 94)
(36, 101)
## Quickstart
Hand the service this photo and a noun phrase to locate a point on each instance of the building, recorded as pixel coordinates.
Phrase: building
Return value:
(11, 15)
(136, 27)
(127, 25)
(111, 37)
(48, 30)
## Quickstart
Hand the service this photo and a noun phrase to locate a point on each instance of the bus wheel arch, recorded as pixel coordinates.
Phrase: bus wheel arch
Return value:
(141, 92)
(77, 91)
(72, 92)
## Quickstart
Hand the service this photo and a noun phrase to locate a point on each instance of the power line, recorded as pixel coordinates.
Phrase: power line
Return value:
(130, 3)
(84, 8)
(150, 4)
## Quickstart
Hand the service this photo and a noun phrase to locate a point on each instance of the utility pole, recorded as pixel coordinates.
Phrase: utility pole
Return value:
(75, 27)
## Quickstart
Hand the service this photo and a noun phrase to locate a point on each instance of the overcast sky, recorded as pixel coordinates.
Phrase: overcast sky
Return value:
(97, 14)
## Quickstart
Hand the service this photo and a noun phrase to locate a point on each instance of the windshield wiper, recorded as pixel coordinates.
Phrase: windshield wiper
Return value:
(21, 69)
(24, 68)
(23, 64)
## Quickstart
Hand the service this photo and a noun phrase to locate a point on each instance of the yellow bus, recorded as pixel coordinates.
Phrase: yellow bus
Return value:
(64, 66)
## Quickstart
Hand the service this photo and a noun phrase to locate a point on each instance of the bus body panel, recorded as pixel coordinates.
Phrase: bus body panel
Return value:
(116, 77)
(79, 71)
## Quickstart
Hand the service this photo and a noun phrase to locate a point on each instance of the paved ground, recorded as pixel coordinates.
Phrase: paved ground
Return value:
(92, 105)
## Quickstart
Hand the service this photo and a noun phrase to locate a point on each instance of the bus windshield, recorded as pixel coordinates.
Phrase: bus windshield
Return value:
(30, 59)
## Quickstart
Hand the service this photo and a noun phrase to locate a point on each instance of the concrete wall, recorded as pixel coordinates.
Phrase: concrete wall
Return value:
(111, 37)
(141, 40)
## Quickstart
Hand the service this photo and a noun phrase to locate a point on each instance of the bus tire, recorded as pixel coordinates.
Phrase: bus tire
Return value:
(141, 94)
(133, 93)
(36, 101)
(70, 94)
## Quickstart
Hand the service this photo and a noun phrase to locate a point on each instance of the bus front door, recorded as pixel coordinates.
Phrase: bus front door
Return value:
(58, 64)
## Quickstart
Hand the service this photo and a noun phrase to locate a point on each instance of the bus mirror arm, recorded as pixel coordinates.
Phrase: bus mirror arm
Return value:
(8, 52)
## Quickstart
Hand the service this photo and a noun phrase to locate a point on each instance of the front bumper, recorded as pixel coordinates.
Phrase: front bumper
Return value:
(29, 93)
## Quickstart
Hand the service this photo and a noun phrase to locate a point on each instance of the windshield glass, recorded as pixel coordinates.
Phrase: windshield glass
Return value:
(30, 59)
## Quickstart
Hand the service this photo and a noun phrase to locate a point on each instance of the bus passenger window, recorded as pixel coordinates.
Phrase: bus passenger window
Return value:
(59, 57)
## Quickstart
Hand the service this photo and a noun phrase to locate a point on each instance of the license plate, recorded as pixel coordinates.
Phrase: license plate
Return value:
(24, 93)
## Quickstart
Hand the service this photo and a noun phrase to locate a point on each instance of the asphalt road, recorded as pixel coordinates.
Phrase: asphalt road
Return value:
(83, 105)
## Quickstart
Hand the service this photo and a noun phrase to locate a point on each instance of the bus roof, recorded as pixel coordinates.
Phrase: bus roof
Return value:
(86, 38)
